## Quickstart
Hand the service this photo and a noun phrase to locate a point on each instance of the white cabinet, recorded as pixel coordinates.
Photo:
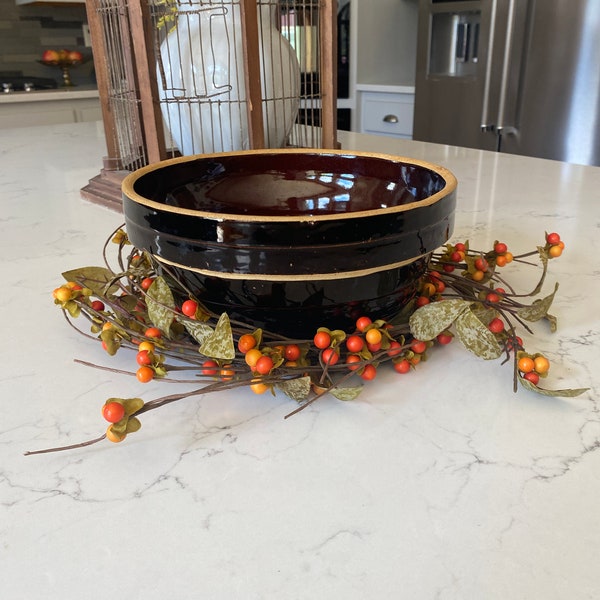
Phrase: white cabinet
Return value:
(383, 57)
(27, 109)
(387, 112)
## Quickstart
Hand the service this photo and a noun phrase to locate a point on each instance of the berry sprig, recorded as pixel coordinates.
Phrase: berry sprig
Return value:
(460, 296)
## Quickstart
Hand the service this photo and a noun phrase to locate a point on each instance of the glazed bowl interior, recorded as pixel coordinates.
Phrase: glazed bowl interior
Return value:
(290, 239)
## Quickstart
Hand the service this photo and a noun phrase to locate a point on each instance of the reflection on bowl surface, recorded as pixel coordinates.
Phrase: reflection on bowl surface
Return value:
(290, 239)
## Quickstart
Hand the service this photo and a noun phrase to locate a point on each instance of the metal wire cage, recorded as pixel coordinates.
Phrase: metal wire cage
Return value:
(197, 76)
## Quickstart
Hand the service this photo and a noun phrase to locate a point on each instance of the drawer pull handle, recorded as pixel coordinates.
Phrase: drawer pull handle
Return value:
(390, 119)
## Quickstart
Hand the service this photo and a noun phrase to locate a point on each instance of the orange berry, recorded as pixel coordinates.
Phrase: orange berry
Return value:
(526, 364)
(251, 357)
(508, 256)
(541, 364)
(373, 336)
(501, 261)
(148, 346)
(227, 373)
(62, 294)
(478, 275)
(258, 387)
(144, 374)
(428, 289)
(113, 436)
(554, 251)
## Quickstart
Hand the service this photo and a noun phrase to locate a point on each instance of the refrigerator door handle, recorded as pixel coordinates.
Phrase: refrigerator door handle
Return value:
(501, 127)
(485, 124)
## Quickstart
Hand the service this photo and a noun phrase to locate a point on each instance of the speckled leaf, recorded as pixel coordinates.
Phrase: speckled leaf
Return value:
(430, 320)
(346, 393)
(538, 309)
(160, 301)
(95, 278)
(199, 330)
(567, 393)
(296, 389)
(476, 337)
(220, 343)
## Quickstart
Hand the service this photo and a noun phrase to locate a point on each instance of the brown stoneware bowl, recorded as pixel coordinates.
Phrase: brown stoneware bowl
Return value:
(291, 240)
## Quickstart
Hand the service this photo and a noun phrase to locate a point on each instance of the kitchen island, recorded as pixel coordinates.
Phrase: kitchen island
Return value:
(440, 484)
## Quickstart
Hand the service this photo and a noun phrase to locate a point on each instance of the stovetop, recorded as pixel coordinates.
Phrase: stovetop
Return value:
(10, 84)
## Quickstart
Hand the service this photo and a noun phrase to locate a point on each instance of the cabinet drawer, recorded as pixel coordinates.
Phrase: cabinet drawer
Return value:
(387, 114)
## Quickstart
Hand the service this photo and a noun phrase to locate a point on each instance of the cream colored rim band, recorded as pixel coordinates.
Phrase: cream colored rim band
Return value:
(273, 277)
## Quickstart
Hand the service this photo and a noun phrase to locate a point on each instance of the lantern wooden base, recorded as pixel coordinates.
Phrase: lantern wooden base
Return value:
(105, 189)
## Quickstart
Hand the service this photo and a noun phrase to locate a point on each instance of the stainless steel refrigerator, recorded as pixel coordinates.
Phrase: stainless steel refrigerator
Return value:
(517, 76)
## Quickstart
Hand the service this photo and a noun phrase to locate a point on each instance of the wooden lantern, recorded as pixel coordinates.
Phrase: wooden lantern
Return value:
(196, 76)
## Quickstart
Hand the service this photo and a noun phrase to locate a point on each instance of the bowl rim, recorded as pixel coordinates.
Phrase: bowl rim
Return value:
(127, 186)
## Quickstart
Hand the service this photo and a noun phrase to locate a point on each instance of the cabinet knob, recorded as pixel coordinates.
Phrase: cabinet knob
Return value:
(390, 119)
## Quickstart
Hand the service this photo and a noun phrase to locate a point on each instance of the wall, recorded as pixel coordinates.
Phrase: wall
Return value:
(26, 31)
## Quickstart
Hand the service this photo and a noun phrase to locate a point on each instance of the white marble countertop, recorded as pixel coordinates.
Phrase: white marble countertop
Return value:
(62, 93)
(442, 484)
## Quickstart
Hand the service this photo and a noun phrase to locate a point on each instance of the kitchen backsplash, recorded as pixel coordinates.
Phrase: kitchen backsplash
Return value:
(26, 31)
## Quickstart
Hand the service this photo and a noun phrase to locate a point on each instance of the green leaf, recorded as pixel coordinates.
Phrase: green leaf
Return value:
(133, 424)
(199, 330)
(427, 322)
(99, 279)
(476, 337)
(567, 393)
(220, 343)
(346, 393)
(131, 405)
(544, 260)
(296, 389)
(160, 302)
(539, 309)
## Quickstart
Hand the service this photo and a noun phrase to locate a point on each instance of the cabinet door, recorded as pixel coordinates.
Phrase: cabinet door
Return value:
(387, 114)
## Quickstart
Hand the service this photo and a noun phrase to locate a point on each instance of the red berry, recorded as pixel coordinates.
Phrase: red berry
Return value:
(553, 238)
(492, 297)
(456, 256)
(98, 305)
(143, 358)
(496, 325)
(532, 377)
(460, 247)
(330, 356)
(500, 248)
(113, 412)
(292, 352)
(353, 360)
(189, 308)
(146, 283)
(448, 268)
(422, 301)
(355, 343)
(369, 372)
(362, 323)
(264, 365)
(402, 366)
(395, 348)
(322, 339)
(209, 367)
(153, 332)
(418, 347)
(444, 338)
(481, 264)
(374, 347)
